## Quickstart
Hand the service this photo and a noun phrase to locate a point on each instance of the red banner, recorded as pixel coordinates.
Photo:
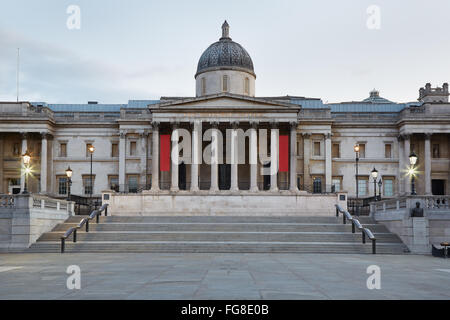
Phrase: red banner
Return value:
(283, 155)
(164, 153)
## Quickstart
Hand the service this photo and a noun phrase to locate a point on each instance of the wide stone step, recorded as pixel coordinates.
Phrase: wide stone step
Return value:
(234, 219)
(223, 226)
(218, 236)
(220, 246)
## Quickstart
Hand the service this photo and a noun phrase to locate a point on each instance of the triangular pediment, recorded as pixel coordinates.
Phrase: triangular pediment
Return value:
(224, 101)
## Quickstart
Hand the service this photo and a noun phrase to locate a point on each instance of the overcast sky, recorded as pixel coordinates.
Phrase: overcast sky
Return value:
(140, 49)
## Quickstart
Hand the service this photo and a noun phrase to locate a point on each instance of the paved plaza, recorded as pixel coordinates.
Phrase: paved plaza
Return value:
(222, 276)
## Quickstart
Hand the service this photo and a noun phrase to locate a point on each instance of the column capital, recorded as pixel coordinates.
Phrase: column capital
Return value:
(328, 135)
(24, 135)
(428, 135)
(274, 124)
(234, 124)
(143, 133)
(254, 124)
(123, 134)
(214, 124)
(155, 125)
(399, 138)
(293, 124)
(406, 136)
(175, 124)
(46, 135)
(306, 135)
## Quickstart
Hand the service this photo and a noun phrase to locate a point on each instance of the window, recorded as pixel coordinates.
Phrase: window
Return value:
(203, 86)
(225, 83)
(62, 185)
(246, 86)
(336, 183)
(63, 149)
(317, 185)
(132, 148)
(362, 187)
(435, 150)
(335, 150)
(114, 149)
(362, 150)
(388, 150)
(316, 148)
(87, 186)
(388, 187)
(132, 183)
(16, 149)
(113, 182)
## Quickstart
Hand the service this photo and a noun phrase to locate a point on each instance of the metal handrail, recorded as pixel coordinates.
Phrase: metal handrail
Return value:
(357, 225)
(84, 222)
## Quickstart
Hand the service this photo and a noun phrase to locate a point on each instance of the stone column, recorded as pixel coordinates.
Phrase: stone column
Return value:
(214, 159)
(174, 156)
(407, 151)
(196, 154)
(234, 157)
(401, 166)
(22, 171)
(427, 167)
(143, 135)
(274, 157)
(306, 157)
(293, 160)
(155, 156)
(122, 157)
(328, 164)
(44, 162)
(253, 157)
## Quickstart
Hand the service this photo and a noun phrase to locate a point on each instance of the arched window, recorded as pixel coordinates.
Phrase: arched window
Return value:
(246, 86)
(203, 86)
(225, 83)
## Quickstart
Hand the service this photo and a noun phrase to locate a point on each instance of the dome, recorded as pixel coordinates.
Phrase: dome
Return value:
(225, 54)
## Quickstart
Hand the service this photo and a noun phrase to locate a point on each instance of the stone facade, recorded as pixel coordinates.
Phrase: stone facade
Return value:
(321, 135)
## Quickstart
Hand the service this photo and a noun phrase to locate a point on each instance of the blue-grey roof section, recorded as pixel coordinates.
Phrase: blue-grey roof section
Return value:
(309, 103)
(95, 107)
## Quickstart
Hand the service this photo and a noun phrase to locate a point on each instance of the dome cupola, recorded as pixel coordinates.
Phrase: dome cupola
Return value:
(225, 66)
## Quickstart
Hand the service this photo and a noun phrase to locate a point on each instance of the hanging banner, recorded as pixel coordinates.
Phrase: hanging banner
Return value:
(164, 153)
(283, 155)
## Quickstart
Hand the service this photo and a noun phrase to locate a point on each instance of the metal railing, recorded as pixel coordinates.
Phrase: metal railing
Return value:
(84, 222)
(356, 224)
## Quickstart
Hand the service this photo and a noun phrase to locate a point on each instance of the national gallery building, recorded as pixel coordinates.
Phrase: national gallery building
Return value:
(311, 142)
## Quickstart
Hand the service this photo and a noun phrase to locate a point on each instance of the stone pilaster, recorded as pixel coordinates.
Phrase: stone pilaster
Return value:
(122, 160)
(214, 158)
(328, 163)
(196, 154)
(24, 149)
(407, 152)
(174, 157)
(306, 156)
(274, 157)
(155, 156)
(234, 157)
(143, 137)
(44, 162)
(401, 166)
(293, 157)
(427, 166)
(253, 157)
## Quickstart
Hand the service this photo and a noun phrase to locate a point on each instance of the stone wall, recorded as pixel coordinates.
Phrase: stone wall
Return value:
(223, 203)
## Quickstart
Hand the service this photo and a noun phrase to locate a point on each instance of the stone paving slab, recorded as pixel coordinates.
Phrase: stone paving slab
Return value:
(222, 276)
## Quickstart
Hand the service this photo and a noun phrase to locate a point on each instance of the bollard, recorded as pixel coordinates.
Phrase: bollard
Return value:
(75, 235)
(87, 225)
(63, 245)
(374, 246)
(353, 228)
(97, 217)
(363, 237)
(106, 211)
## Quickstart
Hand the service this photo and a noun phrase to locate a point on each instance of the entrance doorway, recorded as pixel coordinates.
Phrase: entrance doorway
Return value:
(266, 185)
(438, 187)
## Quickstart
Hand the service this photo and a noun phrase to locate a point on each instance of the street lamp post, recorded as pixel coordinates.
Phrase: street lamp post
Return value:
(374, 174)
(69, 181)
(412, 160)
(91, 151)
(26, 161)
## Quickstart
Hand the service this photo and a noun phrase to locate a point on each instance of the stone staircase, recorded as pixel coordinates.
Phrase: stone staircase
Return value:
(220, 234)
